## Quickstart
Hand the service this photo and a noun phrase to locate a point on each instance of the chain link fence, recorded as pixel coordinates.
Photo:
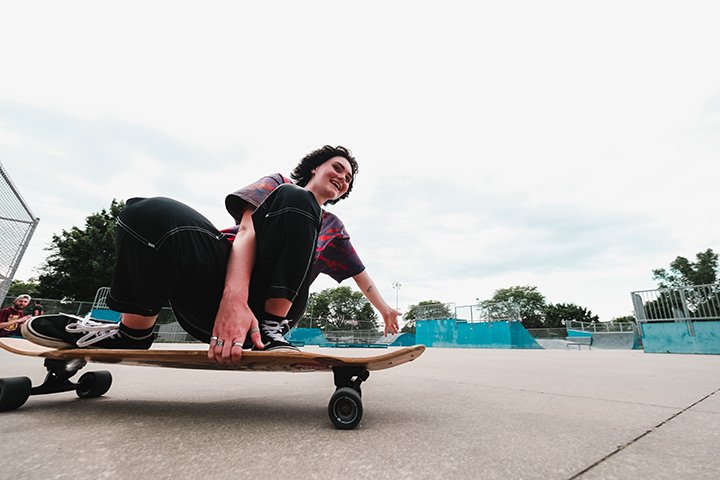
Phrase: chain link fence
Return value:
(498, 311)
(50, 305)
(17, 225)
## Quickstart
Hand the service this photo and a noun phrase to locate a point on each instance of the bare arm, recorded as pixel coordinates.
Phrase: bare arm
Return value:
(234, 318)
(368, 288)
(17, 321)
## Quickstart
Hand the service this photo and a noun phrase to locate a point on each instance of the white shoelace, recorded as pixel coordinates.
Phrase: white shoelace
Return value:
(93, 331)
(274, 330)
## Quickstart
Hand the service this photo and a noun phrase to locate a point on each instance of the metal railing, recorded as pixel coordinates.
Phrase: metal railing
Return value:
(434, 311)
(601, 327)
(548, 332)
(500, 311)
(699, 302)
(353, 336)
(101, 295)
(685, 304)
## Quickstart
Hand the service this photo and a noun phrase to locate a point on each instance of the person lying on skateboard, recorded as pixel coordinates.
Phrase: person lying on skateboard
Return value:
(242, 287)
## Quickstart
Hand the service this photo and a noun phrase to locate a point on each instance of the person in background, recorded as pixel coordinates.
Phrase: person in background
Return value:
(13, 316)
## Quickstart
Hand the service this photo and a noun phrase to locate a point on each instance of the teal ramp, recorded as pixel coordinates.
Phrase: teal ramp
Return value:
(608, 340)
(614, 340)
(307, 336)
(578, 333)
(682, 337)
(105, 314)
(452, 333)
(437, 333)
(397, 340)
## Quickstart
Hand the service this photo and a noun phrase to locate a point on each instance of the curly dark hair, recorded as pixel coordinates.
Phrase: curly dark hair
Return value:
(303, 171)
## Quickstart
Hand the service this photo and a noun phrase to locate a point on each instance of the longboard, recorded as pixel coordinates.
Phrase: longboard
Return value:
(344, 409)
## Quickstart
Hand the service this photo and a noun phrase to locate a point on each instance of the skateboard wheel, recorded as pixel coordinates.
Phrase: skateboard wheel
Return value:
(345, 408)
(14, 392)
(94, 384)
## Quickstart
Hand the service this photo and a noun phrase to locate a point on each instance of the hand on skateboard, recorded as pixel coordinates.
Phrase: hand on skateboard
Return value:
(233, 323)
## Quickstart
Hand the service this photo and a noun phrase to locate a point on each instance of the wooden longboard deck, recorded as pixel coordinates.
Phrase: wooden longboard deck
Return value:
(301, 361)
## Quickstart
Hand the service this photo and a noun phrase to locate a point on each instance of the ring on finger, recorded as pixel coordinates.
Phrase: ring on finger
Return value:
(219, 343)
(237, 344)
(254, 330)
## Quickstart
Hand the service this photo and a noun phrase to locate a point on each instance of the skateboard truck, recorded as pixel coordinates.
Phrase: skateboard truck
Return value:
(58, 376)
(345, 408)
(14, 392)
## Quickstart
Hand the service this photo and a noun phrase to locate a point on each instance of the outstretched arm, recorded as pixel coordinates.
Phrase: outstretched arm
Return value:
(389, 314)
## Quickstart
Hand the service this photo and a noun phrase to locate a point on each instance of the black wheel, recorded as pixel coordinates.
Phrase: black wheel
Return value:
(14, 392)
(94, 384)
(345, 408)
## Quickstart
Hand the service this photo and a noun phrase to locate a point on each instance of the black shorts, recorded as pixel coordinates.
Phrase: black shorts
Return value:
(166, 251)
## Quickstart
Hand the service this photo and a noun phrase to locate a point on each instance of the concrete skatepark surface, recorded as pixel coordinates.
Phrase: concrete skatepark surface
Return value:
(453, 413)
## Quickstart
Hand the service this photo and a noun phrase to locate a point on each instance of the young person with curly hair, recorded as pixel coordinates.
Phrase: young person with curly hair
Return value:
(242, 287)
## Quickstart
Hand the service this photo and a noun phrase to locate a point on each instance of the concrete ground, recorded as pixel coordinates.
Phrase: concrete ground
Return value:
(453, 413)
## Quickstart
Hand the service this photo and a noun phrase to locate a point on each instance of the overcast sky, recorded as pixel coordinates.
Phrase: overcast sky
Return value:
(571, 146)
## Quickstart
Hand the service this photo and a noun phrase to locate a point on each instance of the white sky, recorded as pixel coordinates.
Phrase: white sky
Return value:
(572, 145)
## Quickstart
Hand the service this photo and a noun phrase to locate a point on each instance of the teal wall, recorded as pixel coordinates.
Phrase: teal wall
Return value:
(105, 314)
(578, 333)
(674, 337)
(452, 333)
(308, 336)
(315, 336)
(436, 333)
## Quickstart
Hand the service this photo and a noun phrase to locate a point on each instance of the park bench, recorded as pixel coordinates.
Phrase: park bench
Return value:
(579, 342)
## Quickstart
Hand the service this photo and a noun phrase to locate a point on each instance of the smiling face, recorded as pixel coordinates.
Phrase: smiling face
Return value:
(331, 179)
(21, 303)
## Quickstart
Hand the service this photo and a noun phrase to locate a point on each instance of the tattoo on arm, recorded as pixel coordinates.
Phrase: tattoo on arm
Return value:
(369, 289)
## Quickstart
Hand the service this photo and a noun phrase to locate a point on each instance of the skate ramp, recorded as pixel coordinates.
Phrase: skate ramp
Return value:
(397, 340)
(307, 336)
(613, 340)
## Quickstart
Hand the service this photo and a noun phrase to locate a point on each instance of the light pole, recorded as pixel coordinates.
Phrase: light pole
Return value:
(396, 286)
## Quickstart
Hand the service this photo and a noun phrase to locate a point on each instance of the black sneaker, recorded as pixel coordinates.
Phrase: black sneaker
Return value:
(272, 335)
(69, 331)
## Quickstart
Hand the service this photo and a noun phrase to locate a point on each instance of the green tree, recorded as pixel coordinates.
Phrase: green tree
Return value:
(343, 309)
(426, 309)
(81, 259)
(684, 273)
(559, 314)
(523, 302)
(624, 319)
(18, 287)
